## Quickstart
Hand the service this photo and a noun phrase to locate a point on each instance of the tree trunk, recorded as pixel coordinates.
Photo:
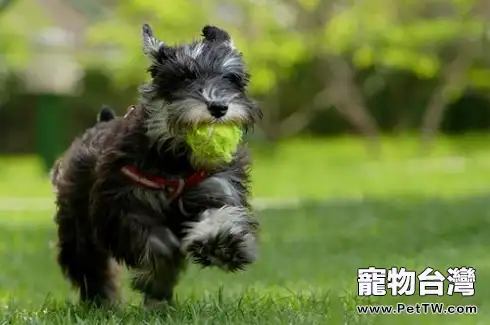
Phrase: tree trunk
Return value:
(300, 120)
(347, 98)
(358, 115)
(454, 79)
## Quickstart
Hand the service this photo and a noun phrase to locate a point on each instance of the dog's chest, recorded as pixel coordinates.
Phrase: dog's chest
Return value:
(216, 187)
(155, 200)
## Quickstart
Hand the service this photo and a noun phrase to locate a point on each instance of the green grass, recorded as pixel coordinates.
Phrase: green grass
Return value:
(431, 212)
(312, 168)
(306, 274)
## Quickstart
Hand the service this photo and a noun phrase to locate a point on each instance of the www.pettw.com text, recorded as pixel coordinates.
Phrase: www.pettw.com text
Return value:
(419, 308)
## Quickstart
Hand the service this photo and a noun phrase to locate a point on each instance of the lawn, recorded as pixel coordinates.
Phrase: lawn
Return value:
(310, 253)
(316, 169)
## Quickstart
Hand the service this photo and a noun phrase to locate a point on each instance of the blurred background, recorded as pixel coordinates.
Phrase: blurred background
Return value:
(363, 100)
(368, 72)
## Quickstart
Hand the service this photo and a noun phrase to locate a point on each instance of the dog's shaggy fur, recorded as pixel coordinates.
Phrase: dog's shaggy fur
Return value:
(105, 218)
(104, 115)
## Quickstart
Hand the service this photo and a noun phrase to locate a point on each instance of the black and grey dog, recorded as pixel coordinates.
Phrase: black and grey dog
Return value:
(131, 192)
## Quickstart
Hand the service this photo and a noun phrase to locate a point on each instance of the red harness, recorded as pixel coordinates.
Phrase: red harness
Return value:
(173, 186)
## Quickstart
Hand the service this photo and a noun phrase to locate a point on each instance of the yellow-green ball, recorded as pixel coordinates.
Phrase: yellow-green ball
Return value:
(214, 142)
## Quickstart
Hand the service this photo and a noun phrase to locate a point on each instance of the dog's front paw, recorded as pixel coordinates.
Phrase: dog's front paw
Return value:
(230, 252)
(222, 238)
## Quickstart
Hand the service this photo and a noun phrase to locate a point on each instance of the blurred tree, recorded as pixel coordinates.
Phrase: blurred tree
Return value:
(19, 20)
(433, 39)
(468, 49)
(120, 34)
(4, 4)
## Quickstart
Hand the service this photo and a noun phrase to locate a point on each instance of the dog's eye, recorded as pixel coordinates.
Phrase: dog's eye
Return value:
(234, 78)
(153, 71)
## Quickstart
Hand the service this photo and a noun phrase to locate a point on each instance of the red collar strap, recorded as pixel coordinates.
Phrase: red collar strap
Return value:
(174, 187)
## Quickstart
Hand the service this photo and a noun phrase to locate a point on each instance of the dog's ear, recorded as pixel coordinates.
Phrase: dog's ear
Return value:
(215, 34)
(153, 47)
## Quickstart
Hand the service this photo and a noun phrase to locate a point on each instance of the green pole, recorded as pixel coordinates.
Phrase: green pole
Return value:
(49, 128)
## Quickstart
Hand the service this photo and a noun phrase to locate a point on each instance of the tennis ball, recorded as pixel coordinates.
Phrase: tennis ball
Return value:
(214, 142)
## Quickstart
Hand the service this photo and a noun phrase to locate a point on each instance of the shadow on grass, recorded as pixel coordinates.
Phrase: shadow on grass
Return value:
(312, 251)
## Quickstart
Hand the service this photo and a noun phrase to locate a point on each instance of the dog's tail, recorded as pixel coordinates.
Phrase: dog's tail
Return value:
(105, 114)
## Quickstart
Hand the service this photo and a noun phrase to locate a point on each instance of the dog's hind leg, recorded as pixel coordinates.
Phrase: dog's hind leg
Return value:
(88, 268)
(146, 246)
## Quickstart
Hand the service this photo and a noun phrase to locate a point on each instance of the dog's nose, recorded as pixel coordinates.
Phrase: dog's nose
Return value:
(217, 110)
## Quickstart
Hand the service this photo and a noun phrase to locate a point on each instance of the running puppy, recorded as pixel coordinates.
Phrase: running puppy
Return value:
(132, 192)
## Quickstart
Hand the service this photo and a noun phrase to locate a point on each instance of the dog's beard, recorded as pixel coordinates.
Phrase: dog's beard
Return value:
(168, 123)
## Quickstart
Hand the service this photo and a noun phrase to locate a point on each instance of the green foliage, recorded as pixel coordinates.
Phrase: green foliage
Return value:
(18, 25)
(271, 48)
(172, 22)
(12, 37)
(402, 35)
(19, 20)
(275, 36)
(268, 47)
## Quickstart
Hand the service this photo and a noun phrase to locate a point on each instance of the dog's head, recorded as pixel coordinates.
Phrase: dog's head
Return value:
(204, 81)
